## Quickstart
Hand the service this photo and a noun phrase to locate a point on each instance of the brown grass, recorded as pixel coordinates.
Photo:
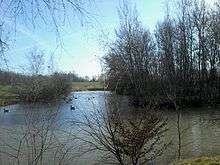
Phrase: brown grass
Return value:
(200, 161)
(87, 86)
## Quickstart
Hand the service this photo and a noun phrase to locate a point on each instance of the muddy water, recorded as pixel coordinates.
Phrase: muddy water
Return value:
(200, 130)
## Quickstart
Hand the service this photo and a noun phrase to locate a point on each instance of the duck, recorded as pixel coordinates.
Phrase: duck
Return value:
(72, 107)
(5, 110)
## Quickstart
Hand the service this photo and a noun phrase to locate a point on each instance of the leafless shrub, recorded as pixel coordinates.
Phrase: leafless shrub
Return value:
(127, 139)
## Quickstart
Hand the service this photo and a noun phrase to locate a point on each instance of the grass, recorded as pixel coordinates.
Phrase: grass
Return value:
(7, 95)
(87, 86)
(201, 161)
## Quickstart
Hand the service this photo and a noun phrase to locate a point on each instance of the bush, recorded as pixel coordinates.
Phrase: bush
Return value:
(44, 88)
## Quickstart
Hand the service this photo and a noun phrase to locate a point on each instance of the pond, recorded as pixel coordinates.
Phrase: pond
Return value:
(200, 130)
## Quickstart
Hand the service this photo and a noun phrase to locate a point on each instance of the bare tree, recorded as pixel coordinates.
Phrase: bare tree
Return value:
(35, 13)
(36, 61)
(165, 37)
(131, 59)
(184, 63)
(132, 138)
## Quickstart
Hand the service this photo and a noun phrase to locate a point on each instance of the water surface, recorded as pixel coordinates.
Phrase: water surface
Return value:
(200, 128)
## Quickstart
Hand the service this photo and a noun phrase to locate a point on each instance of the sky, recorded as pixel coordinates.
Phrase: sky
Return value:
(83, 45)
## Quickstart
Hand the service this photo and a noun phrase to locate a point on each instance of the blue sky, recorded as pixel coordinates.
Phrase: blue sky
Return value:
(83, 45)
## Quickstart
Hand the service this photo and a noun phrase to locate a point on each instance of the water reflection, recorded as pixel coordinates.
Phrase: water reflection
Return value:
(200, 127)
(124, 136)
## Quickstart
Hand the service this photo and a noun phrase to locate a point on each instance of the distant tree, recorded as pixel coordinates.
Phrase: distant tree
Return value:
(87, 78)
(36, 61)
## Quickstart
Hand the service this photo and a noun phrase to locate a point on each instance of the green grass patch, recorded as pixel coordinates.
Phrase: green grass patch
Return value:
(7, 95)
(200, 161)
(87, 86)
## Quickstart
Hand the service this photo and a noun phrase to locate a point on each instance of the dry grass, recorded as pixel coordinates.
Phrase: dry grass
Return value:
(87, 86)
(200, 161)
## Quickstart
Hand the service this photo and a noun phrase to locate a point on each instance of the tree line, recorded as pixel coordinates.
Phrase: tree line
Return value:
(14, 78)
(181, 59)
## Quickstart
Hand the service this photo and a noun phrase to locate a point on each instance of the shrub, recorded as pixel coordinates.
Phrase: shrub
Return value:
(44, 88)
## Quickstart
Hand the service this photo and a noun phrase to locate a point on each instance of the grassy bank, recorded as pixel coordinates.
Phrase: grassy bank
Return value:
(87, 86)
(200, 161)
(7, 95)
